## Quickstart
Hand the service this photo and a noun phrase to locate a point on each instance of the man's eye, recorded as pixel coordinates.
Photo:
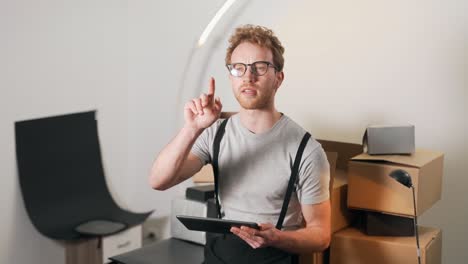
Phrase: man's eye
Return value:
(261, 68)
(238, 67)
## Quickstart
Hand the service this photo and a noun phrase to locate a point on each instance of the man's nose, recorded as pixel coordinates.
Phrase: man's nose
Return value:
(249, 75)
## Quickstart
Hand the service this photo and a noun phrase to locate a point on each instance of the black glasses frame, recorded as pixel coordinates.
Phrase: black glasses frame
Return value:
(253, 68)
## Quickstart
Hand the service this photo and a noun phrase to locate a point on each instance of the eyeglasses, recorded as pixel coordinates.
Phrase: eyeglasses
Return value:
(257, 68)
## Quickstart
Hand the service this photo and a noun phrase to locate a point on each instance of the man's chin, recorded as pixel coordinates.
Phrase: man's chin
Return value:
(251, 105)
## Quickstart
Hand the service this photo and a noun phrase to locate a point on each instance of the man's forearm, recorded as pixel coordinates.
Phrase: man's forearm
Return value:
(167, 168)
(304, 240)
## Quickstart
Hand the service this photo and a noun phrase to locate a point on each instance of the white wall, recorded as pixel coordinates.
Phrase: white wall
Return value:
(348, 64)
(59, 57)
(161, 35)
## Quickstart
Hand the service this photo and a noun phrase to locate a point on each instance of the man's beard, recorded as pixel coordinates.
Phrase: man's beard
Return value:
(258, 102)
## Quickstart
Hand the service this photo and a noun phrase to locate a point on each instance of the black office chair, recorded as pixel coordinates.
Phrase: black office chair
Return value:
(62, 179)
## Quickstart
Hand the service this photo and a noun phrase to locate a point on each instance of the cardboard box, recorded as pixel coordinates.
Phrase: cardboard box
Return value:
(351, 246)
(205, 175)
(314, 258)
(341, 216)
(332, 158)
(389, 139)
(338, 155)
(344, 150)
(371, 188)
(378, 224)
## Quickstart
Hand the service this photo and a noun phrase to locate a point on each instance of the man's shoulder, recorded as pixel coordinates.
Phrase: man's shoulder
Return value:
(295, 130)
(293, 125)
(292, 128)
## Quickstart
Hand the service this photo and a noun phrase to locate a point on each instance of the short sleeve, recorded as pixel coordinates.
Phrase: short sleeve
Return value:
(203, 146)
(314, 175)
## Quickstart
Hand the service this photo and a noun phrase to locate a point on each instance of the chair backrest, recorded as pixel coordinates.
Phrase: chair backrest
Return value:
(62, 178)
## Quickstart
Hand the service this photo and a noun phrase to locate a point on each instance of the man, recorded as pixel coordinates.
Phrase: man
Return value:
(256, 156)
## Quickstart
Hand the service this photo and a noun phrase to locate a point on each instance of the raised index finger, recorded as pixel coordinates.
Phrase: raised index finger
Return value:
(211, 88)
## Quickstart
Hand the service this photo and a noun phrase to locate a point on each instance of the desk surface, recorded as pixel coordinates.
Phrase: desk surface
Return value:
(168, 251)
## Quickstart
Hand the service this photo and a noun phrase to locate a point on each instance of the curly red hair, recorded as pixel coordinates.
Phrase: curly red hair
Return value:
(262, 36)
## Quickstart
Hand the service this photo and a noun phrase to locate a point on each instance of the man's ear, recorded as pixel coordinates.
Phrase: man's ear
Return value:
(279, 79)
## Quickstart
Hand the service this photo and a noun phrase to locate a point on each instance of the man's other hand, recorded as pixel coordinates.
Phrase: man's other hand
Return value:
(265, 237)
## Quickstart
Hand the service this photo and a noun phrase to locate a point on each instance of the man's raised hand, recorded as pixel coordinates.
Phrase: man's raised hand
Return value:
(203, 111)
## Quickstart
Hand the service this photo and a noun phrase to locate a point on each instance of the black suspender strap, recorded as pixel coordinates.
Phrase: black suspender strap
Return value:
(216, 144)
(292, 180)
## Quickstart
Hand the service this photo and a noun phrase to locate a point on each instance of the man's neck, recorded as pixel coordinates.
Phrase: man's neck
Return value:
(259, 121)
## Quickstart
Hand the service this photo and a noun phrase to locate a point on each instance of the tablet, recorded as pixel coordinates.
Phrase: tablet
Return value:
(212, 225)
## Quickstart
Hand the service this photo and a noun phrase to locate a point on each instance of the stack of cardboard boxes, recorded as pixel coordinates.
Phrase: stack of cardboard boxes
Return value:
(385, 232)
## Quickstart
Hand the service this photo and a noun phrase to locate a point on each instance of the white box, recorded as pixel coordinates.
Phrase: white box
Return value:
(121, 242)
(182, 206)
(389, 139)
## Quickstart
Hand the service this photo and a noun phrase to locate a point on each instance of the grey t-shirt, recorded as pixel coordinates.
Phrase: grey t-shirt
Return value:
(254, 171)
